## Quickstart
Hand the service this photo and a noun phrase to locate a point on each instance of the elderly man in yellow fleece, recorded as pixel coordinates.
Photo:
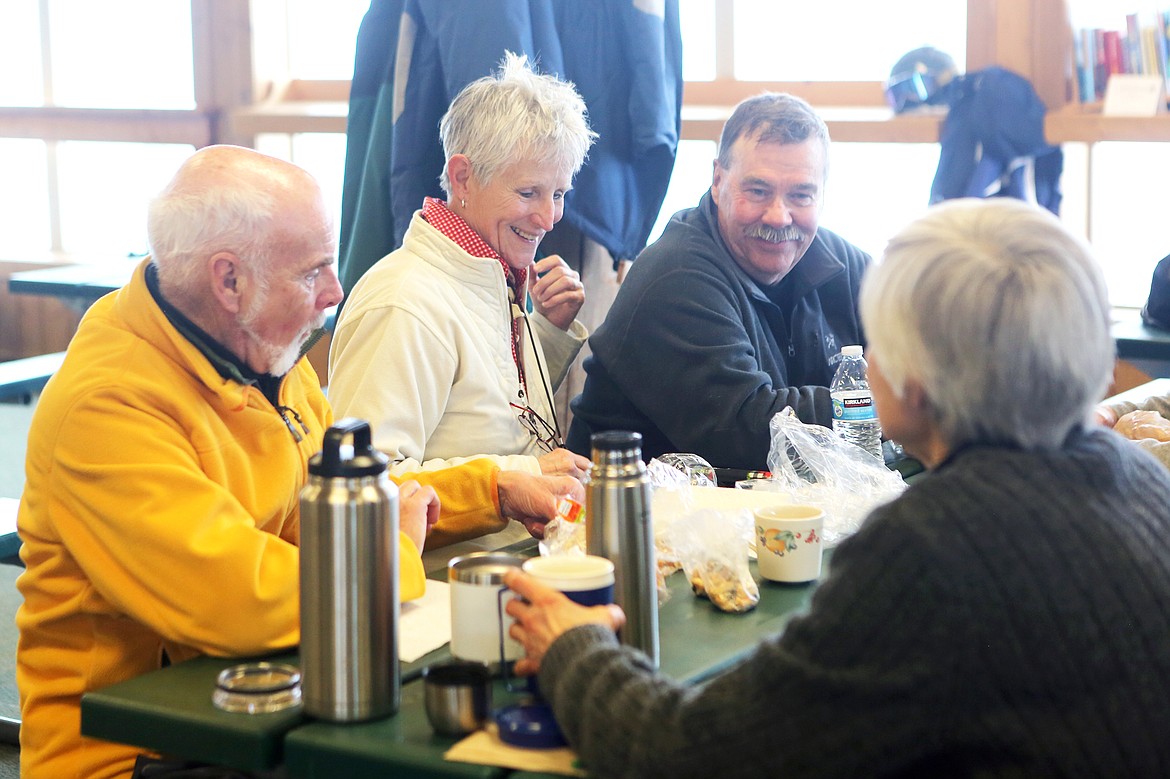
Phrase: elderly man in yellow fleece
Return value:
(160, 513)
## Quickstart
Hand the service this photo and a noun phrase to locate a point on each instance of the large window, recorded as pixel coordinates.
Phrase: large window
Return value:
(24, 198)
(310, 23)
(873, 188)
(1127, 224)
(96, 114)
(96, 61)
(85, 90)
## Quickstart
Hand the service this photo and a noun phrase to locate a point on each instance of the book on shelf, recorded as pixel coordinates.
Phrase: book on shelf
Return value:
(1086, 74)
(1139, 45)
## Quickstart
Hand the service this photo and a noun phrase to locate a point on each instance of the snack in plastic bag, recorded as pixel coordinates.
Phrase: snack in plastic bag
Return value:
(822, 470)
(714, 558)
(671, 477)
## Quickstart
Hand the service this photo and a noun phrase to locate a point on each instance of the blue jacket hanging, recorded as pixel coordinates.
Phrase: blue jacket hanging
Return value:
(992, 142)
(625, 57)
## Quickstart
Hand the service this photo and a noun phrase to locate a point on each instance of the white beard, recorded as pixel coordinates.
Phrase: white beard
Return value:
(280, 359)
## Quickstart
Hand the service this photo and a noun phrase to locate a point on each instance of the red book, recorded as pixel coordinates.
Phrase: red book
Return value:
(1114, 53)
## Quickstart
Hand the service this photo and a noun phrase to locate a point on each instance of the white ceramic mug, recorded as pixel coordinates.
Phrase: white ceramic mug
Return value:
(789, 542)
(585, 579)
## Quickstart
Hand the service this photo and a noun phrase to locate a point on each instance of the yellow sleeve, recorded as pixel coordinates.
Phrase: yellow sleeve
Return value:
(412, 580)
(470, 501)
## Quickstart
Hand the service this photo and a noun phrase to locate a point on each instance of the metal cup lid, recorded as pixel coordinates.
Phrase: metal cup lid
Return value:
(482, 567)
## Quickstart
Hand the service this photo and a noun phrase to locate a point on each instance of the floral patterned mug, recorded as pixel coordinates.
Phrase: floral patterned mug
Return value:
(788, 542)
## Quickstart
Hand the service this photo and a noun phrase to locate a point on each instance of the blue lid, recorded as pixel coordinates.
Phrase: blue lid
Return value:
(529, 724)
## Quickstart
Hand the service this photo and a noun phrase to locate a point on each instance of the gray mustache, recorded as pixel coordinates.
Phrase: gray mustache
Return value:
(790, 233)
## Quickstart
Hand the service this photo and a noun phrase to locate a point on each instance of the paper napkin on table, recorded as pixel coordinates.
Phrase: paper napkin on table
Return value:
(486, 748)
(425, 624)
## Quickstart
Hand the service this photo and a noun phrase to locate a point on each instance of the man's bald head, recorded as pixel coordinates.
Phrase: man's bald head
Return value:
(222, 199)
(245, 248)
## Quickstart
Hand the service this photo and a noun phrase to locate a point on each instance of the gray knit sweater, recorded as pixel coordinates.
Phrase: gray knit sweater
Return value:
(1008, 615)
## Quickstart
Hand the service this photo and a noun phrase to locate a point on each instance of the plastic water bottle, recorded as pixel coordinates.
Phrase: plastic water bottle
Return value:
(854, 415)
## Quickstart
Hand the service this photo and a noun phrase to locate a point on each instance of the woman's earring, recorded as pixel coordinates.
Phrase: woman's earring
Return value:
(462, 203)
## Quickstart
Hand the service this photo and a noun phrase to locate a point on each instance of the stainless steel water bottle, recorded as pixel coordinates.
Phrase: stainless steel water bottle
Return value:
(349, 580)
(618, 526)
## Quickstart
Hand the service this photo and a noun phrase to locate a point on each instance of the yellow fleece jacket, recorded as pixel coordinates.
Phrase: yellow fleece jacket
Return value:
(161, 514)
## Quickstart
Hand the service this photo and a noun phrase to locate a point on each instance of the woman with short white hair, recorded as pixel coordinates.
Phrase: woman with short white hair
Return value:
(1007, 615)
(453, 345)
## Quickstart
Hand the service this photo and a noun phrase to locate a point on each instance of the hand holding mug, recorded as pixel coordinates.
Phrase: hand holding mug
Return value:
(545, 614)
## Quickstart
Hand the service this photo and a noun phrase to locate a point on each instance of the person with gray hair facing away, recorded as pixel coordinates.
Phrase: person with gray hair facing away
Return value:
(436, 345)
(738, 310)
(1007, 615)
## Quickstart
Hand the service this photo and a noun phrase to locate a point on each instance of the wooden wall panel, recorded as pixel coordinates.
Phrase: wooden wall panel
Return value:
(32, 324)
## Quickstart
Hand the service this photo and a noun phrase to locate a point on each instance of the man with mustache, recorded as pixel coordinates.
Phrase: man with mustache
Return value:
(737, 310)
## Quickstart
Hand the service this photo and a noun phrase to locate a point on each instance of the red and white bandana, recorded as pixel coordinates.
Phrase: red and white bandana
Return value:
(450, 224)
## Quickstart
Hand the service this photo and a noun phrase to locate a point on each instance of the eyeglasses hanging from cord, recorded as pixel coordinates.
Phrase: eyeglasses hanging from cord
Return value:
(548, 436)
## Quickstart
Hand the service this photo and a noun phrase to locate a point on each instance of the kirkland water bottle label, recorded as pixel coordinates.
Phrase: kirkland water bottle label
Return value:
(853, 406)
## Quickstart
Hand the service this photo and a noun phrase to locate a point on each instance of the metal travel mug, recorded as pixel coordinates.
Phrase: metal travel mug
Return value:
(618, 526)
(349, 580)
(479, 626)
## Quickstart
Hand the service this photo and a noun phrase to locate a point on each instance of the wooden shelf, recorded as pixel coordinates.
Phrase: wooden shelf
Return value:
(296, 107)
(1074, 123)
(291, 117)
(861, 125)
(100, 124)
(1085, 124)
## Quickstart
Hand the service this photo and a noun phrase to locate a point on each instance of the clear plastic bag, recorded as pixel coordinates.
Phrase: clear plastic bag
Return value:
(671, 489)
(820, 469)
(672, 499)
(698, 471)
(714, 558)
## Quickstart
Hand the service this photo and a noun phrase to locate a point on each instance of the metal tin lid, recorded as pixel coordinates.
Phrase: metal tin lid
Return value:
(257, 688)
(482, 567)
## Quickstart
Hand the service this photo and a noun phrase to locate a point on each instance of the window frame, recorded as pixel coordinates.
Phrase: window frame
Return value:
(243, 88)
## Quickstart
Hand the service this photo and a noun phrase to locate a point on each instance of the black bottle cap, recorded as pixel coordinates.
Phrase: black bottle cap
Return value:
(362, 460)
(616, 440)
